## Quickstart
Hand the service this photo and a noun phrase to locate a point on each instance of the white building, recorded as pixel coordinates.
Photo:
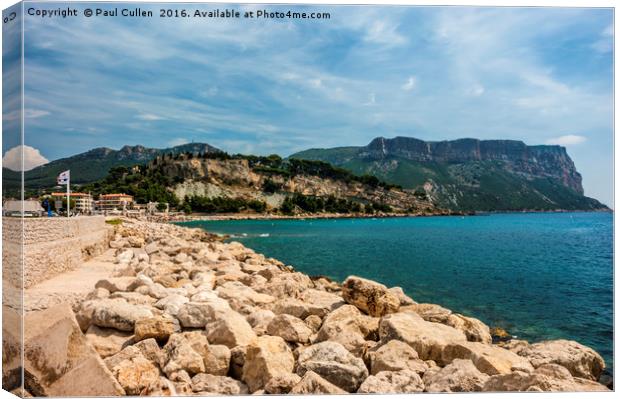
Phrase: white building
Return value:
(83, 201)
(28, 208)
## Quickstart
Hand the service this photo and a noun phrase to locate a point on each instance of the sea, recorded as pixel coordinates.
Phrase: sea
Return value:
(539, 276)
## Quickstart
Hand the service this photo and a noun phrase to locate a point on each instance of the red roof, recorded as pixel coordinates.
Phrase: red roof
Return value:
(114, 195)
(72, 194)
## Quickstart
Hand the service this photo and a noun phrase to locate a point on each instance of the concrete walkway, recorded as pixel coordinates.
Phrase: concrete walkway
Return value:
(70, 286)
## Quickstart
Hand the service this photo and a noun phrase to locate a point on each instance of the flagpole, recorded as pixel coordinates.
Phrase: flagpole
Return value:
(68, 196)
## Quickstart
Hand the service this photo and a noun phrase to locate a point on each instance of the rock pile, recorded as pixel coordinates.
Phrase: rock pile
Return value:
(186, 314)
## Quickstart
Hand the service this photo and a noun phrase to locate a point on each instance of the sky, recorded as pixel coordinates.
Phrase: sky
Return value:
(261, 86)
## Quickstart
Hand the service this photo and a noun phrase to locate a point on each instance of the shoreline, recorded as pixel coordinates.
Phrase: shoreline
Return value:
(275, 216)
(266, 328)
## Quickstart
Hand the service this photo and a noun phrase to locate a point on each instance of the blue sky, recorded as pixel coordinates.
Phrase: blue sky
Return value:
(540, 75)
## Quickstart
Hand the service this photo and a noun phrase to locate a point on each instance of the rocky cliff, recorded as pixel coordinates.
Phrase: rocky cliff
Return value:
(470, 174)
(530, 161)
(241, 178)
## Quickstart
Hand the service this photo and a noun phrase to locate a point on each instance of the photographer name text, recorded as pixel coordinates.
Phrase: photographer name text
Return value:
(173, 13)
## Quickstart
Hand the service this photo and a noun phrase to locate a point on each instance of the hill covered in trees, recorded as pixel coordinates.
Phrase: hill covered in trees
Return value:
(469, 174)
(215, 182)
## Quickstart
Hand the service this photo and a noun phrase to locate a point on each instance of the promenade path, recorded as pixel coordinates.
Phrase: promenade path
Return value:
(72, 286)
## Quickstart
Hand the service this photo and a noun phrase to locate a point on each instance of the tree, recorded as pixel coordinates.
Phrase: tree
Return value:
(269, 186)
(287, 206)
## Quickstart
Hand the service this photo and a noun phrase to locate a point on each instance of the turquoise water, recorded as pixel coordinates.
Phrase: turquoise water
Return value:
(539, 275)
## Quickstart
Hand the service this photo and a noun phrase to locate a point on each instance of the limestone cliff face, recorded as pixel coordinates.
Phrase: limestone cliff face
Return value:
(236, 178)
(529, 161)
(469, 174)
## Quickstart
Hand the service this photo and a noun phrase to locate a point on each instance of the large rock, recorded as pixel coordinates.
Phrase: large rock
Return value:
(548, 377)
(171, 304)
(125, 256)
(403, 381)
(117, 313)
(489, 359)
(150, 349)
(147, 349)
(155, 290)
(12, 347)
(347, 326)
(430, 312)
(136, 374)
(185, 351)
(152, 247)
(322, 302)
(290, 328)
(402, 297)
(204, 295)
(474, 329)
(207, 384)
(394, 356)
(313, 322)
(158, 327)
(266, 358)
(514, 345)
(107, 341)
(282, 384)
(239, 295)
(217, 360)
(369, 296)
(134, 298)
(580, 360)
(199, 314)
(459, 376)
(298, 308)
(312, 383)
(285, 284)
(428, 339)
(58, 359)
(84, 314)
(163, 387)
(259, 320)
(204, 280)
(333, 362)
(311, 302)
(231, 329)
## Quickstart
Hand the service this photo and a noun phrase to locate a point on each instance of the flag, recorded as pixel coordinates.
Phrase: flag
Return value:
(63, 178)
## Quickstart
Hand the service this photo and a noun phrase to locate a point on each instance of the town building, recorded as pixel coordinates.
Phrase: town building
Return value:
(83, 201)
(28, 208)
(114, 202)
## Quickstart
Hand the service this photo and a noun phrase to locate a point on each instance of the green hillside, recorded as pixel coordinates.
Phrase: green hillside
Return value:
(484, 185)
(92, 165)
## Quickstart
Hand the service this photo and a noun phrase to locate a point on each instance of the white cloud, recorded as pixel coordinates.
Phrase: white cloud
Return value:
(316, 83)
(477, 90)
(372, 99)
(150, 117)
(178, 141)
(35, 113)
(384, 32)
(12, 159)
(605, 42)
(410, 83)
(28, 113)
(569, 139)
(212, 91)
